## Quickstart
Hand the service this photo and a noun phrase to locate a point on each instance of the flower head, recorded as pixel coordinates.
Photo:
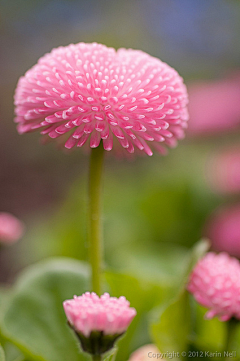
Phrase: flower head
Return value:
(11, 229)
(145, 353)
(103, 319)
(88, 93)
(89, 313)
(214, 106)
(223, 229)
(215, 284)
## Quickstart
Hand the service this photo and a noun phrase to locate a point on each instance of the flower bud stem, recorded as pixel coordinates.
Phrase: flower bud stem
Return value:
(95, 219)
(97, 357)
(230, 334)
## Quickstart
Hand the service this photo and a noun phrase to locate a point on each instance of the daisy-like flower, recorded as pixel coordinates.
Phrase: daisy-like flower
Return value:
(223, 229)
(215, 284)
(98, 321)
(89, 92)
(11, 228)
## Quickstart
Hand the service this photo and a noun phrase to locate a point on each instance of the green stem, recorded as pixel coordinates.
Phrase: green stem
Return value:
(97, 357)
(95, 219)
(230, 334)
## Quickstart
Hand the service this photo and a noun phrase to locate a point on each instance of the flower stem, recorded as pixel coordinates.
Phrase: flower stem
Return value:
(97, 357)
(230, 334)
(95, 219)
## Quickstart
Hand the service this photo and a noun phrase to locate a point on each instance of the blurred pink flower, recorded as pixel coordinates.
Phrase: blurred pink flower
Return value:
(11, 229)
(223, 229)
(145, 353)
(106, 314)
(223, 171)
(88, 92)
(214, 105)
(215, 284)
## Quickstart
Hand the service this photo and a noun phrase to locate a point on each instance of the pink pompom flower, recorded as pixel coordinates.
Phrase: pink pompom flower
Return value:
(223, 171)
(11, 228)
(223, 229)
(145, 353)
(89, 92)
(215, 284)
(98, 321)
(214, 106)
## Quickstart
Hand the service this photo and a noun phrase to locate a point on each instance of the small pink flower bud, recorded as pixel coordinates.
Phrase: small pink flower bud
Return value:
(146, 353)
(11, 229)
(98, 321)
(215, 284)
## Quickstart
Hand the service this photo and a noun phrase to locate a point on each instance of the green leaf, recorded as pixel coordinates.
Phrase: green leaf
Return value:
(175, 208)
(2, 355)
(111, 355)
(171, 332)
(205, 329)
(12, 353)
(161, 263)
(143, 295)
(34, 318)
(196, 253)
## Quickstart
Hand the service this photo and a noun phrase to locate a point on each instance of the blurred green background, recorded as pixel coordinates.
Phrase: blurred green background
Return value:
(154, 208)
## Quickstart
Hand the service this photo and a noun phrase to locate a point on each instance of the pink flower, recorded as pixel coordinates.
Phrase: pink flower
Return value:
(223, 229)
(214, 106)
(215, 284)
(223, 171)
(145, 353)
(11, 229)
(88, 92)
(109, 315)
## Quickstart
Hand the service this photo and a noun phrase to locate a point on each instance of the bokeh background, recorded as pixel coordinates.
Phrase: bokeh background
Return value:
(154, 208)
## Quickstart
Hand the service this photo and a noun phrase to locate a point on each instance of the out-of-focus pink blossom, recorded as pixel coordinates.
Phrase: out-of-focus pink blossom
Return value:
(223, 229)
(88, 93)
(106, 314)
(145, 353)
(11, 228)
(214, 106)
(223, 171)
(215, 284)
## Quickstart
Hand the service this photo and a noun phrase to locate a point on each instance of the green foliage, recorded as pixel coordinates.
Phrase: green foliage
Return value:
(61, 234)
(205, 329)
(140, 210)
(196, 253)
(111, 355)
(143, 295)
(33, 316)
(172, 329)
(173, 212)
(12, 353)
(2, 355)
